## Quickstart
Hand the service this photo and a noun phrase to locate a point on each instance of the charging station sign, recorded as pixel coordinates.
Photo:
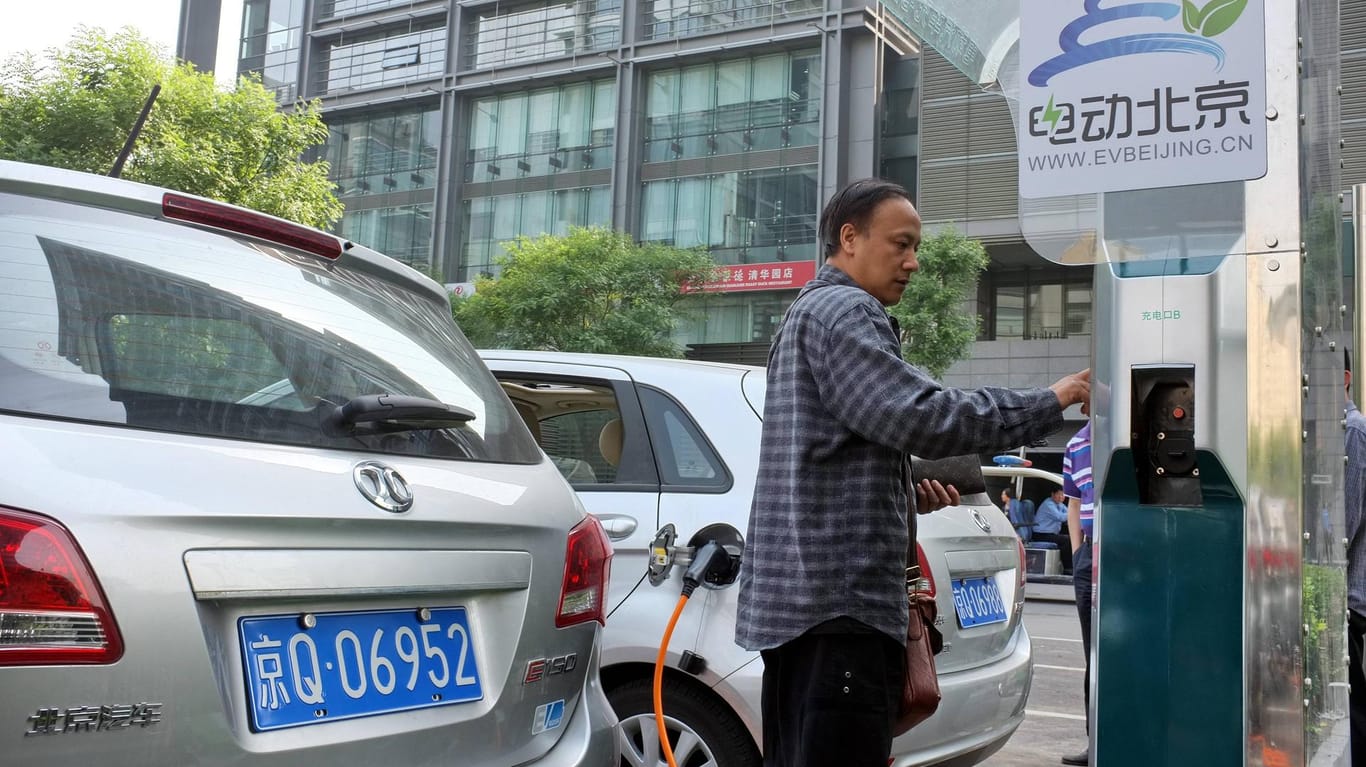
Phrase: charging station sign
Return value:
(1139, 95)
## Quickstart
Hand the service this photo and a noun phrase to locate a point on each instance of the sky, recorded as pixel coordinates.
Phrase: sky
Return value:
(36, 26)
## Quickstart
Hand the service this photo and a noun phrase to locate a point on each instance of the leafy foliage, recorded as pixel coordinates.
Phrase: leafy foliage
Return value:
(593, 290)
(76, 110)
(935, 331)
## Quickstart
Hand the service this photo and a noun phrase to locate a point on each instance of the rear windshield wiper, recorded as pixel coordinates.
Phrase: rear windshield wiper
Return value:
(384, 413)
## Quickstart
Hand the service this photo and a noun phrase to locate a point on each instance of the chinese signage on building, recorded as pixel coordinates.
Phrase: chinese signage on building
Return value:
(1140, 95)
(779, 275)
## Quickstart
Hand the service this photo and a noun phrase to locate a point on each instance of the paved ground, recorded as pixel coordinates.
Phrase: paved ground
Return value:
(1055, 718)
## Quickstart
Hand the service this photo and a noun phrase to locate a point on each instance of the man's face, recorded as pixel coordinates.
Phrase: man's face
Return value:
(882, 259)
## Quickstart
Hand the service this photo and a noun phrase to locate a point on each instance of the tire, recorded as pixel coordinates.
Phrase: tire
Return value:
(703, 732)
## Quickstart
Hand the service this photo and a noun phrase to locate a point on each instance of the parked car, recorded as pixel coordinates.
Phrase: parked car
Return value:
(264, 505)
(652, 442)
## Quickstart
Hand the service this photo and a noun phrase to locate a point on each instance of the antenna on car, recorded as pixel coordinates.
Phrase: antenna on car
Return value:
(133, 134)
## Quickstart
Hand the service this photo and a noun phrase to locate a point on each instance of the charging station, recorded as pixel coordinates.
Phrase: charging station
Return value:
(1190, 150)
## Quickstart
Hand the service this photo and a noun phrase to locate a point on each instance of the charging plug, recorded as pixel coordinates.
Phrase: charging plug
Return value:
(706, 563)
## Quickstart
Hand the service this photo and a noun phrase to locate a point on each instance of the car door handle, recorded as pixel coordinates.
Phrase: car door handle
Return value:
(618, 526)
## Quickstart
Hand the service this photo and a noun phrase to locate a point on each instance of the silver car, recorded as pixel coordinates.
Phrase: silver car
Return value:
(651, 442)
(264, 505)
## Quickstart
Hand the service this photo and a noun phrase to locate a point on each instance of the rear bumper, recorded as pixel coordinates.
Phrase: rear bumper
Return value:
(981, 709)
(590, 736)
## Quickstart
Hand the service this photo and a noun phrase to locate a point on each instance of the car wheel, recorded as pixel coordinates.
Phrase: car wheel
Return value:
(703, 732)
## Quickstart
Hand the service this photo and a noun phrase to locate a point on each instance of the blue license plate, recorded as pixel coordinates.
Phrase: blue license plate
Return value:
(356, 664)
(978, 601)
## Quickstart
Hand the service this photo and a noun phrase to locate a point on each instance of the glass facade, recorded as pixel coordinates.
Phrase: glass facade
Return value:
(901, 124)
(742, 217)
(384, 165)
(735, 318)
(543, 132)
(743, 105)
(1028, 308)
(534, 31)
(679, 18)
(272, 31)
(489, 222)
(329, 9)
(414, 51)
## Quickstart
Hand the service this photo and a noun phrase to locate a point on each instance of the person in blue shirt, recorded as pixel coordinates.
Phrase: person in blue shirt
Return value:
(1049, 526)
(1016, 513)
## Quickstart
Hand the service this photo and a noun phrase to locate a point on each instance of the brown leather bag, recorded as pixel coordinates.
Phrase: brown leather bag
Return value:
(920, 689)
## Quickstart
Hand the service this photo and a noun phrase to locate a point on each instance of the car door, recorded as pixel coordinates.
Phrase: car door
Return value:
(596, 436)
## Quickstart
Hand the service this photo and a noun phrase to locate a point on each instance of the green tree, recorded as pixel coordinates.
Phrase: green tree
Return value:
(935, 331)
(592, 290)
(76, 108)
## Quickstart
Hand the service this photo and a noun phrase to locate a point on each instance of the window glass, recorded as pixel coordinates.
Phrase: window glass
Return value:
(1010, 312)
(128, 321)
(573, 114)
(683, 454)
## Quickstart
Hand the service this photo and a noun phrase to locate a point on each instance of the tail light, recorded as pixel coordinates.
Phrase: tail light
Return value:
(1021, 572)
(925, 583)
(51, 609)
(583, 594)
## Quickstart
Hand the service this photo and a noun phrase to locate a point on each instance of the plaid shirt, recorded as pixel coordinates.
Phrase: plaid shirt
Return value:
(1354, 494)
(828, 529)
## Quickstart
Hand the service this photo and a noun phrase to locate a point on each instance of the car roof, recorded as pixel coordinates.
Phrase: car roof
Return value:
(655, 366)
(146, 200)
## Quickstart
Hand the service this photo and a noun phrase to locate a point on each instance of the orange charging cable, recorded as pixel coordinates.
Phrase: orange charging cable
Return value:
(659, 681)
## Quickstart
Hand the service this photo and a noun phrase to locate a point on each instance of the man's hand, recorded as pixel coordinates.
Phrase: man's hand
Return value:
(931, 495)
(1073, 390)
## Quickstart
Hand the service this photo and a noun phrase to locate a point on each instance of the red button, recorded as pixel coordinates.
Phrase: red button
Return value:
(1178, 413)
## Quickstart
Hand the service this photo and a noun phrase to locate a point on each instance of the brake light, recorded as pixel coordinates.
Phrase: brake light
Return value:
(587, 559)
(250, 223)
(925, 584)
(51, 609)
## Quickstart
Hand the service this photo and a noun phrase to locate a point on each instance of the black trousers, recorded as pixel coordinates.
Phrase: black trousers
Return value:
(830, 697)
(1356, 638)
(1081, 583)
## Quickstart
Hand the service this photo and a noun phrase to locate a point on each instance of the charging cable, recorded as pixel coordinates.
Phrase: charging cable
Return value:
(707, 561)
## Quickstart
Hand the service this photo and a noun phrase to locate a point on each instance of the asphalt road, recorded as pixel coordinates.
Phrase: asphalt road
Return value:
(1055, 715)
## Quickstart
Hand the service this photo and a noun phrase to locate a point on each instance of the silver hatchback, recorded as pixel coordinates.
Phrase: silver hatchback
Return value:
(264, 505)
(651, 442)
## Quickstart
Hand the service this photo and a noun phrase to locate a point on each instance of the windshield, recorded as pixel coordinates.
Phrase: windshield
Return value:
(115, 318)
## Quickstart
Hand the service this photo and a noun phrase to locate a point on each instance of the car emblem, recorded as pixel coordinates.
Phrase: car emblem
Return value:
(383, 486)
(976, 517)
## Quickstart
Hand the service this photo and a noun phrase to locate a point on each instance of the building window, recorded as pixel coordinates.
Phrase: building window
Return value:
(384, 167)
(741, 217)
(382, 58)
(1028, 308)
(542, 132)
(330, 9)
(491, 222)
(680, 18)
(732, 107)
(535, 31)
(271, 34)
(901, 124)
(730, 319)
(383, 152)
(403, 232)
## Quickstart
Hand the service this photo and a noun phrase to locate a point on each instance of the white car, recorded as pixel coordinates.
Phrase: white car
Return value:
(652, 442)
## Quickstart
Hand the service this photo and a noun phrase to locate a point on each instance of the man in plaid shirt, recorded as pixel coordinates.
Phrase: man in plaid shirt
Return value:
(822, 585)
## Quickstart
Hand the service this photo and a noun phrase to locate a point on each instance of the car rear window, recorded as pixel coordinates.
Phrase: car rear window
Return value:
(114, 318)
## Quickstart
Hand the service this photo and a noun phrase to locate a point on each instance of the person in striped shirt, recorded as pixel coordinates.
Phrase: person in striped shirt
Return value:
(1081, 508)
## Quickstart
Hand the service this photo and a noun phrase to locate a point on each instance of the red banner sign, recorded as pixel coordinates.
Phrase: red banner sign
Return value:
(779, 275)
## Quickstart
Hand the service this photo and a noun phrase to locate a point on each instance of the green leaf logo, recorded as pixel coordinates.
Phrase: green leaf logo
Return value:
(1214, 19)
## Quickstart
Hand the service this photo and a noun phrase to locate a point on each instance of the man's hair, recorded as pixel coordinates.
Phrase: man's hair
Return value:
(854, 204)
(1009, 491)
